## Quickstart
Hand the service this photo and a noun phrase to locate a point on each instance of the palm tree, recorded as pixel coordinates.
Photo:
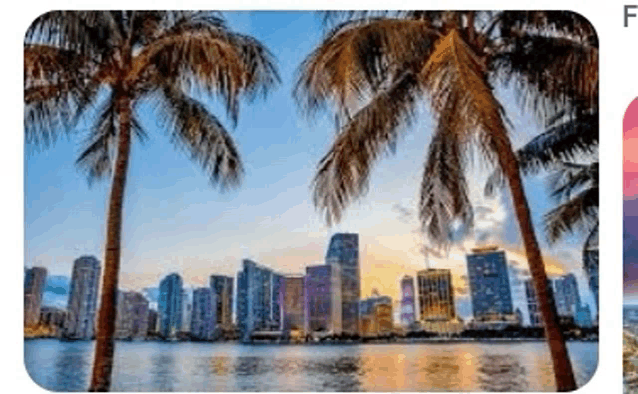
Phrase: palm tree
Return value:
(372, 71)
(110, 63)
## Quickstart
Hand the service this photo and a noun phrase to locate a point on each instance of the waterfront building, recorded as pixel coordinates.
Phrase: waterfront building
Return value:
(34, 283)
(153, 322)
(566, 295)
(323, 299)
(203, 316)
(489, 284)
(436, 294)
(408, 313)
(343, 250)
(170, 305)
(132, 315)
(294, 305)
(535, 318)
(187, 310)
(222, 287)
(582, 317)
(590, 263)
(375, 316)
(54, 318)
(82, 303)
(258, 299)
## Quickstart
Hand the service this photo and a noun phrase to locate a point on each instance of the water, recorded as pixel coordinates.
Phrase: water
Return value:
(156, 366)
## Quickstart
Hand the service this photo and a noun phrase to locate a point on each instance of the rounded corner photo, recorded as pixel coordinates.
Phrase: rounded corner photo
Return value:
(240, 201)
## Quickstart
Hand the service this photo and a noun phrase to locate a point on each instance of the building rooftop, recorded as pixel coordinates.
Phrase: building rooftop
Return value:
(485, 249)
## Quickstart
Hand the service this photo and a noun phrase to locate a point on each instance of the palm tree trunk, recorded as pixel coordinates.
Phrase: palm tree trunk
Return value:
(104, 347)
(563, 372)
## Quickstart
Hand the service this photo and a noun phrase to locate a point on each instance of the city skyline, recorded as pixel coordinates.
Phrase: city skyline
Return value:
(175, 223)
(461, 307)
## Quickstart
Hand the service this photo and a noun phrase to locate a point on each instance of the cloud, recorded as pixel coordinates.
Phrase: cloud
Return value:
(405, 215)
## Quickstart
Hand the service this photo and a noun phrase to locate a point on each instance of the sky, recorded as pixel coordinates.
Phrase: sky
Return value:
(174, 221)
(630, 208)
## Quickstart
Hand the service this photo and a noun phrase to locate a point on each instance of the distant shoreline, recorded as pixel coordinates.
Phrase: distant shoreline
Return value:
(346, 342)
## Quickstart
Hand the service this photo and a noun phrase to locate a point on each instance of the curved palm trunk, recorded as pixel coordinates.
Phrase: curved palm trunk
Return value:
(103, 361)
(563, 373)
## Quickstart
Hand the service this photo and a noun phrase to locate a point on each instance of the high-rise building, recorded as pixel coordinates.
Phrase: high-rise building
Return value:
(258, 299)
(153, 320)
(323, 299)
(436, 295)
(408, 313)
(344, 251)
(132, 315)
(170, 305)
(489, 284)
(203, 315)
(566, 295)
(375, 315)
(54, 318)
(83, 294)
(590, 263)
(535, 317)
(34, 282)
(222, 287)
(582, 317)
(533, 307)
(187, 309)
(293, 304)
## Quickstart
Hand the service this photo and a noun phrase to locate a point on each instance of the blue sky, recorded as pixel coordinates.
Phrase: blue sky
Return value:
(174, 220)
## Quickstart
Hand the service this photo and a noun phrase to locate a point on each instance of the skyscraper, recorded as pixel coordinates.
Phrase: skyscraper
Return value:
(566, 295)
(83, 294)
(408, 312)
(344, 251)
(187, 309)
(436, 295)
(132, 315)
(153, 318)
(222, 287)
(535, 318)
(203, 315)
(375, 315)
(34, 282)
(582, 317)
(258, 299)
(293, 304)
(323, 299)
(489, 284)
(170, 305)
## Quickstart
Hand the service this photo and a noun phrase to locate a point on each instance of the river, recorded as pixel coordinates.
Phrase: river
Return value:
(190, 366)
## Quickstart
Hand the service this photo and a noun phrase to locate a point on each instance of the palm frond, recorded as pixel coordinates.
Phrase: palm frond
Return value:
(92, 33)
(566, 23)
(571, 178)
(456, 80)
(96, 159)
(58, 86)
(579, 212)
(550, 73)
(343, 173)
(444, 195)
(569, 138)
(204, 54)
(355, 59)
(193, 128)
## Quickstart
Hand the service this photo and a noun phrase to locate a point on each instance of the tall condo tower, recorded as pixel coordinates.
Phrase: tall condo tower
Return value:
(82, 303)
(344, 251)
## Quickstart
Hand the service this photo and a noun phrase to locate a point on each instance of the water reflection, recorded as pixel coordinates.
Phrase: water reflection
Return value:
(163, 372)
(152, 366)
